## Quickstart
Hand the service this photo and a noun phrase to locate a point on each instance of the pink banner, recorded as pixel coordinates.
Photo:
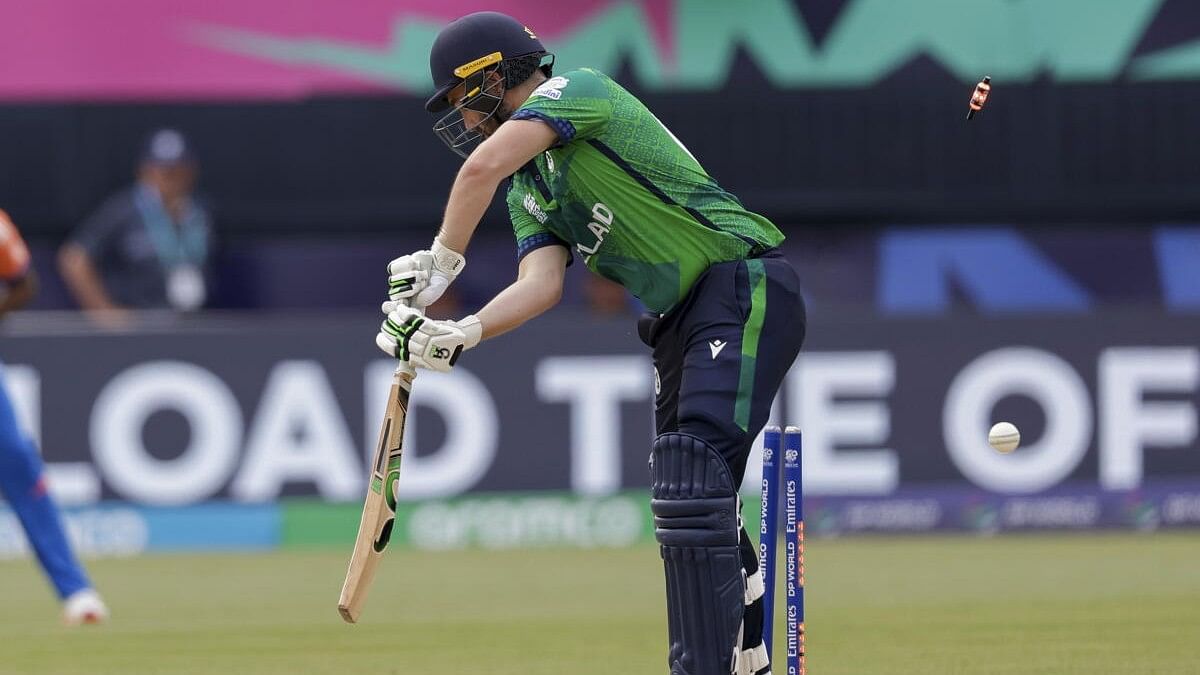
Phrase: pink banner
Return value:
(236, 49)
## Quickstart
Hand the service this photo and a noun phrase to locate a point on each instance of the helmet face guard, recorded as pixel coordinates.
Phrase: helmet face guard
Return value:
(482, 98)
(485, 98)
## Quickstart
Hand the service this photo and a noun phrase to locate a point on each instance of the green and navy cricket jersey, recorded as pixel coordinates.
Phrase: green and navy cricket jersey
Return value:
(624, 193)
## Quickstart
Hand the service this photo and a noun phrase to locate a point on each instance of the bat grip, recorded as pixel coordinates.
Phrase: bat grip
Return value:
(403, 370)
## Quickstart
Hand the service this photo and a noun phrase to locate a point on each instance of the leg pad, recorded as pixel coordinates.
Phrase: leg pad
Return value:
(695, 510)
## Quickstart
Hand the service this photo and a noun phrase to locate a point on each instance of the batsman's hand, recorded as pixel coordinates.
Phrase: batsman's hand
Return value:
(422, 277)
(419, 341)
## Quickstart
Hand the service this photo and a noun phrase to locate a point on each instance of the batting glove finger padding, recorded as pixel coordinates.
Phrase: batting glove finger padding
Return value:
(408, 275)
(409, 336)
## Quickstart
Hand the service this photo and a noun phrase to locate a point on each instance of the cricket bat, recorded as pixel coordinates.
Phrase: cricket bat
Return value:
(379, 510)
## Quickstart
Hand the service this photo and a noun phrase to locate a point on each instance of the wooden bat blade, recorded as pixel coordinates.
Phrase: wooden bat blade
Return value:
(365, 560)
(379, 508)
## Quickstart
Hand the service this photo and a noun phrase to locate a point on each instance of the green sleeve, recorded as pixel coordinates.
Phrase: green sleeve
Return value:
(530, 233)
(576, 104)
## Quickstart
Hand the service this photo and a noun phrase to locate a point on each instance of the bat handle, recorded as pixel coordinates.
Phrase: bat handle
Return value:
(403, 370)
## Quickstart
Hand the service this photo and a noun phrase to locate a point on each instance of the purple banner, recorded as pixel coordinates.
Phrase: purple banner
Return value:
(1155, 504)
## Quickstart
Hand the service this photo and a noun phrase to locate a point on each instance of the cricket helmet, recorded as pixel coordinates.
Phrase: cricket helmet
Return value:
(480, 42)
(490, 52)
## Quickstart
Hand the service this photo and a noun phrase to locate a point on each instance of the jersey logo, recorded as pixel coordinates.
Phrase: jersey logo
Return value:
(715, 347)
(534, 210)
(602, 221)
(551, 88)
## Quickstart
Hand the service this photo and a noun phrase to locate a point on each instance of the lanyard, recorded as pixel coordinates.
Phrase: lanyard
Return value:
(183, 245)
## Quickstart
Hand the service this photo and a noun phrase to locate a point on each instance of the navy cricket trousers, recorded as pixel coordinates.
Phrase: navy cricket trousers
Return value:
(721, 354)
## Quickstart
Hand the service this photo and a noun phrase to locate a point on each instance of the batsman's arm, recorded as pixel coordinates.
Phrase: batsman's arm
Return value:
(538, 287)
(500, 156)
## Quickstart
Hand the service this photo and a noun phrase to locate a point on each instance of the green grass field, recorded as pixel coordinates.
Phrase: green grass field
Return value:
(1047, 604)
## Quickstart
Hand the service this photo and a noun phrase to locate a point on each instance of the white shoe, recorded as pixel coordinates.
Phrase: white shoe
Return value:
(84, 607)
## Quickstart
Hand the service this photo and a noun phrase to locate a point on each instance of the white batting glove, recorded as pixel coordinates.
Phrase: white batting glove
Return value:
(408, 335)
(423, 277)
(408, 275)
(447, 265)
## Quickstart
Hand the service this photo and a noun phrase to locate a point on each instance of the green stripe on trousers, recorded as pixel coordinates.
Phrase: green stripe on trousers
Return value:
(750, 334)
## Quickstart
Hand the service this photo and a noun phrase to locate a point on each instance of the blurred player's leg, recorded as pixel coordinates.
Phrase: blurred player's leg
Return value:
(84, 607)
(23, 485)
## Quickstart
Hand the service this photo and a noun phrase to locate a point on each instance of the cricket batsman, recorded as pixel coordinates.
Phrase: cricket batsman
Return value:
(22, 478)
(589, 171)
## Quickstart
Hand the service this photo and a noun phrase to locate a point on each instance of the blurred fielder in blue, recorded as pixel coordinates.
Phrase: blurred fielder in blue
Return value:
(22, 479)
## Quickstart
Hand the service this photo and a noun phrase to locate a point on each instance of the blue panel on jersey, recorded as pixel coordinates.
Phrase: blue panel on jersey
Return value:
(564, 128)
(536, 241)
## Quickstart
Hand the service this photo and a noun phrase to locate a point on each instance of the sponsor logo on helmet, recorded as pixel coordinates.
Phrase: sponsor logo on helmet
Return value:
(481, 62)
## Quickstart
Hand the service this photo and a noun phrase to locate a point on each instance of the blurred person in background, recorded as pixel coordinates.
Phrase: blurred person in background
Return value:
(22, 479)
(148, 246)
(589, 169)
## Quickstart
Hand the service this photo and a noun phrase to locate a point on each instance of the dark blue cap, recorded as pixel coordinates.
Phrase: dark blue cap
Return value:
(472, 42)
(166, 146)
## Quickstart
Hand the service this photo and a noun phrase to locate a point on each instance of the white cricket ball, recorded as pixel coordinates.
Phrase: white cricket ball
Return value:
(1004, 437)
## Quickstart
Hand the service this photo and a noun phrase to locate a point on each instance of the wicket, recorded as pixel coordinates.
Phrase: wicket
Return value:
(788, 444)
